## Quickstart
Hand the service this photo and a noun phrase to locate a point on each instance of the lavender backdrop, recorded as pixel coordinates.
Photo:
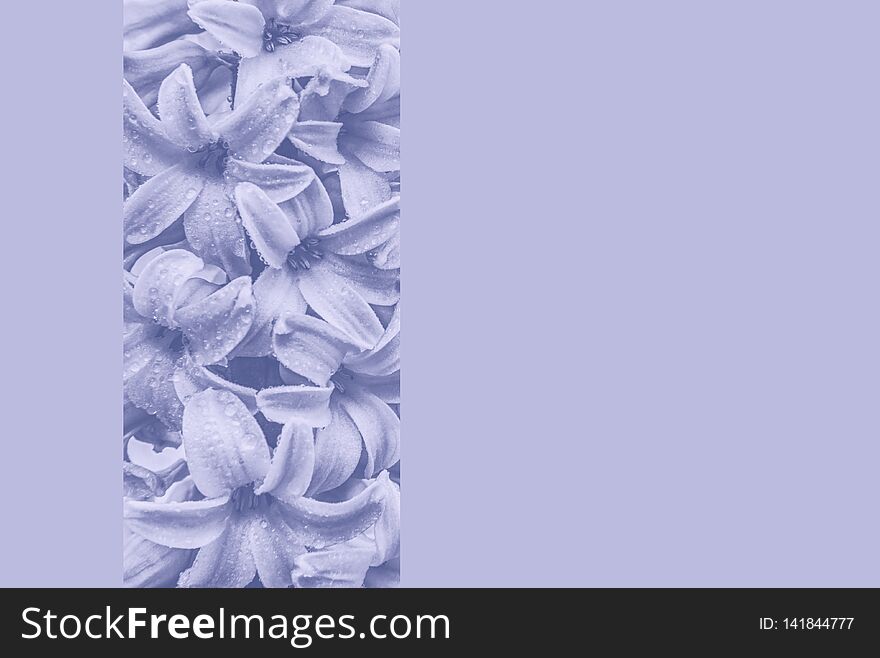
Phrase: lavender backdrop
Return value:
(641, 342)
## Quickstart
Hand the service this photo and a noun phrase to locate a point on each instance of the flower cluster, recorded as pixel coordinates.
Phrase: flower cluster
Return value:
(261, 186)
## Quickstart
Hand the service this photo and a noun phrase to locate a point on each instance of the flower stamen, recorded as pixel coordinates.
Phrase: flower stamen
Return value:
(244, 500)
(304, 254)
(278, 34)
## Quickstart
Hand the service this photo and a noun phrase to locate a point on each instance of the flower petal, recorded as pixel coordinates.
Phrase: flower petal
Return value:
(341, 305)
(268, 226)
(383, 81)
(301, 12)
(384, 358)
(148, 23)
(225, 562)
(192, 378)
(317, 139)
(159, 202)
(181, 112)
(146, 148)
(158, 287)
(362, 188)
(236, 25)
(147, 564)
(280, 182)
(290, 404)
(275, 293)
(358, 33)
(375, 285)
(213, 232)
(292, 462)
(310, 347)
(387, 528)
(386, 387)
(360, 234)
(148, 371)
(318, 524)
(390, 9)
(338, 448)
(189, 524)
(338, 566)
(274, 548)
(379, 427)
(146, 69)
(387, 256)
(225, 447)
(311, 210)
(375, 144)
(256, 127)
(217, 323)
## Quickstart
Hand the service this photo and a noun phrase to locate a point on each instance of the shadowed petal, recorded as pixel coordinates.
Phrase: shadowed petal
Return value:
(148, 371)
(225, 562)
(379, 427)
(225, 447)
(290, 404)
(147, 564)
(317, 139)
(364, 232)
(181, 112)
(341, 305)
(374, 285)
(358, 33)
(192, 378)
(148, 23)
(146, 148)
(189, 524)
(375, 144)
(362, 188)
(292, 462)
(213, 232)
(275, 293)
(311, 210)
(338, 450)
(236, 25)
(256, 127)
(310, 347)
(280, 182)
(274, 548)
(318, 524)
(386, 387)
(384, 358)
(217, 323)
(158, 203)
(268, 226)
(146, 69)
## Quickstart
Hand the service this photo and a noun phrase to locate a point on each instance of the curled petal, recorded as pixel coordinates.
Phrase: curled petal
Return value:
(387, 528)
(158, 288)
(268, 226)
(291, 404)
(317, 139)
(159, 202)
(387, 256)
(338, 448)
(146, 69)
(292, 462)
(274, 548)
(147, 564)
(181, 112)
(379, 427)
(146, 148)
(225, 562)
(236, 25)
(219, 322)
(362, 188)
(280, 182)
(341, 305)
(148, 372)
(310, 347)
(375, 285)
(192, 378)
(318, 524)
(383, 81)
(384, 358)
(337, 566)
(189, 524)
(311, 210)
(390, 9)
(299, 12)
(149, 23)
(225, 447)
(256, 127)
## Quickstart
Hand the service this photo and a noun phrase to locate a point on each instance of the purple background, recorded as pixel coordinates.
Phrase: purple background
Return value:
(640, 279)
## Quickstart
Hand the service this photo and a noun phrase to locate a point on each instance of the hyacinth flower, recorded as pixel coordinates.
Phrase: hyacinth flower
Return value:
(312, 262)
(179, 315)
(294, 38)
(333, 384)
(255, 518)
(356, 130)
(194, 165)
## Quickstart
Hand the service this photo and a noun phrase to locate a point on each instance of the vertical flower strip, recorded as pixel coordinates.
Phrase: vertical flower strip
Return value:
(261, 269)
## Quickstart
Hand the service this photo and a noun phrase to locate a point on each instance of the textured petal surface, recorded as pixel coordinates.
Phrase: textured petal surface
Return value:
(236, 25)
(159, 202)
(310, 347)
(268, 226)
(217, 323)
(293, 462)
(378, 425)
(188, 524)
(338, 450)
(213, 230)
(296, 404)
(181, 112)
(225, 562)
(261, 122)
